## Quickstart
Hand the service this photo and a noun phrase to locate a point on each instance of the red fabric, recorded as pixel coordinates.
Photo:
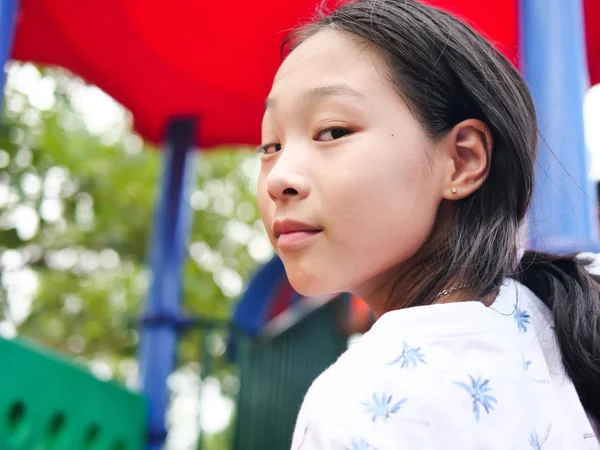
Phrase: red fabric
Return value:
(282, 300)
(592, 30)
(213, 59)
(497, 21)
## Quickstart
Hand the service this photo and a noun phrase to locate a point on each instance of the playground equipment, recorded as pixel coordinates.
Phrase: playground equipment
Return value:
(280, 342)
(276, 371)
(47, 402)
(187, 75)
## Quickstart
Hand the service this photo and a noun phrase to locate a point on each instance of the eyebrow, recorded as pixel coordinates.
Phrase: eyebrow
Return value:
(322, 93)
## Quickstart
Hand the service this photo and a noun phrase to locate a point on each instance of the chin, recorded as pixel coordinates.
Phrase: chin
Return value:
(311, 284)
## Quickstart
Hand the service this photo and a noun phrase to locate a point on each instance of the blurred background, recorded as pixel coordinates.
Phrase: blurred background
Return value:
(74, 232)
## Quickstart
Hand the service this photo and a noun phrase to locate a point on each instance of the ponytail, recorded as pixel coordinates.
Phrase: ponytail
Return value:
(565, 285)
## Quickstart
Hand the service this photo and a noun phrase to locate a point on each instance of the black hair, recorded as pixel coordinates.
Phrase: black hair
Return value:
(446, 73)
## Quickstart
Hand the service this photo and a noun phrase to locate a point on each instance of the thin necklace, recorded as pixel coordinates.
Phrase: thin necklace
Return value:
(449, 291)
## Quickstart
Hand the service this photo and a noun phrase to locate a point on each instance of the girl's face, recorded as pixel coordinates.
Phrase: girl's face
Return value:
(343, 155)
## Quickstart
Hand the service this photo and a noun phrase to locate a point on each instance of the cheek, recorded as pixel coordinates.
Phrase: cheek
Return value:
(387, 190)
(381, 216)
(391, 215)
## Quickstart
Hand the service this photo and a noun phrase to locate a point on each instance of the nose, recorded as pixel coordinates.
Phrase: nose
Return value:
(288, 177)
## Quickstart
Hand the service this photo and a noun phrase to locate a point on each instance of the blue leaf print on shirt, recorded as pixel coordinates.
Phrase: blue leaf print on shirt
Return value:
(534, 441)
(409, 356)
(479, 391)
(526, 364)
(360, 445)
(522, 317)
(382, 407)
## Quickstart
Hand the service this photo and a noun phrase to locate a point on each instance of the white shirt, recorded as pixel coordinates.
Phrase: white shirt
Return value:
(450, 376)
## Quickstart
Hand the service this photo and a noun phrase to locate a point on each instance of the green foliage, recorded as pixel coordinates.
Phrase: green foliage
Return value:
(76, 214)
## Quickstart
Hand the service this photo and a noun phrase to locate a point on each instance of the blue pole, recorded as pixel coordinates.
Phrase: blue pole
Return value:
(563, 213)
(162, 319)
(8, 14)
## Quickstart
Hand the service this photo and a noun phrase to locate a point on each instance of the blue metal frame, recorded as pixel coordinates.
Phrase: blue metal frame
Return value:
(563, 213)
(162, 319)
(251, 311)
(8, 14)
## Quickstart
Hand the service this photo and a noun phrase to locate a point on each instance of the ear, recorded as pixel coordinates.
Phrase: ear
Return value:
(469, 148)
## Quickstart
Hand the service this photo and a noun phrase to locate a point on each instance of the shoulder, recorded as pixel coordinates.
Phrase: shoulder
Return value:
(415, 390)
(456, 376)
(414, 376)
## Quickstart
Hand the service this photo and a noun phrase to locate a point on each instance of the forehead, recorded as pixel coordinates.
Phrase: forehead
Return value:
(331, 57)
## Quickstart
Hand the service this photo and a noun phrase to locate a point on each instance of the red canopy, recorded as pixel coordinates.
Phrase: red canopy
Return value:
(211, 59)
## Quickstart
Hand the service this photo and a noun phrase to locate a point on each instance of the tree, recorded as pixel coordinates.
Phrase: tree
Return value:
(77, 198)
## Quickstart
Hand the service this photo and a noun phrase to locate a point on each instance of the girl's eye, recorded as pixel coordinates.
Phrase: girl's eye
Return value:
(333, 133)
(269, 149)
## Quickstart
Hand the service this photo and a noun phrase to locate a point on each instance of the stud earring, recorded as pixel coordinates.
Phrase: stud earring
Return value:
(454, 190)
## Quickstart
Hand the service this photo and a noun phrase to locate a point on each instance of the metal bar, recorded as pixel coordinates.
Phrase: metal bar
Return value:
(563, 213)
(158, 345)
(8, 15)
(206, 369)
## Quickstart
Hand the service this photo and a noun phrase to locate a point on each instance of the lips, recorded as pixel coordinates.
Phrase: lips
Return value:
(288, 226)
(293, 235)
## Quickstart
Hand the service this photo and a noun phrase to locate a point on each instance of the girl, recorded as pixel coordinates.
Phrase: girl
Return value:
(397, 165)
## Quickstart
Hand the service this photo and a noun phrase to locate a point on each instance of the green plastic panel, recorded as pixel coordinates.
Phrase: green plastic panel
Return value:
(275, 375)
(49, 403)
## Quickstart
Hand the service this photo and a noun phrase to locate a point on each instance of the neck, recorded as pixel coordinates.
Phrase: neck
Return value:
(385, 296)
(402, 285)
